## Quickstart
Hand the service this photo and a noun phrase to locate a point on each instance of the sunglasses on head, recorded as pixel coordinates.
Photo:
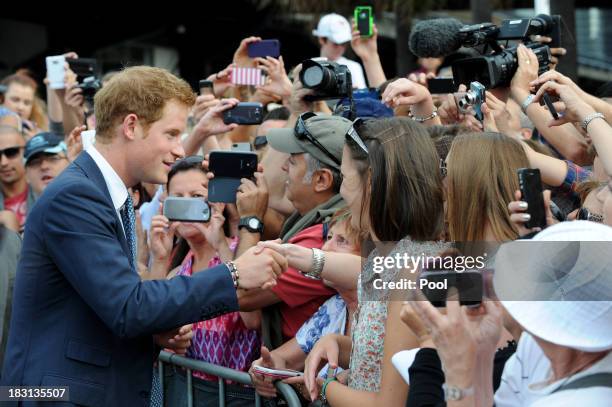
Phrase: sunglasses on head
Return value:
(302, 133)
(10, 152)
(353, 134)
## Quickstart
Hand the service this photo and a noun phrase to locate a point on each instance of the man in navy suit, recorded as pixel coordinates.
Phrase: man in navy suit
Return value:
(82, 318)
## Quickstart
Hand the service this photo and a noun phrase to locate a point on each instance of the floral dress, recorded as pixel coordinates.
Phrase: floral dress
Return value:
(224, 340)
(368, 334)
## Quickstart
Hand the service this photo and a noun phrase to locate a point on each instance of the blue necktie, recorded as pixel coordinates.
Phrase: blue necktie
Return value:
(129, 223)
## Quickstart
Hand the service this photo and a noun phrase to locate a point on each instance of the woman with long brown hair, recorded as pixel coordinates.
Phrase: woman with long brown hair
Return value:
(482, 177)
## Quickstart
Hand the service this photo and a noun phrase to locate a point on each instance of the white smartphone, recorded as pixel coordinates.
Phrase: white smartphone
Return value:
(276, 373)
(56, 71)
(88, 138)
(186, 209)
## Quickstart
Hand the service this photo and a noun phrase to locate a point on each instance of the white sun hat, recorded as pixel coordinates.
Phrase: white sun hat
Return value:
(334, 27)
(558, 286)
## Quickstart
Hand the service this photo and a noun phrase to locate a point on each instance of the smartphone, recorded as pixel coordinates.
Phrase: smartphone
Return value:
(241, 147)
(435, 284)
(555, 33)
(206, 87)
(551, 107)
(248, 76)
(530, 185)
(264, 48)
(244, 113)
(438, 86)
(186, 209)
(364, 20)
(229, 167)
(279, 374)
(82, 67)
(56, 71)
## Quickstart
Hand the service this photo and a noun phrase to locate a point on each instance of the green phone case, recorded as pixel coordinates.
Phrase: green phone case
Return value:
(358, 10)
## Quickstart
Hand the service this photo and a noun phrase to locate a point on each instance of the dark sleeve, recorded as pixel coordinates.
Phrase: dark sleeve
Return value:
(499, 362)
(79, 229)
(56, 128)
(426, 379)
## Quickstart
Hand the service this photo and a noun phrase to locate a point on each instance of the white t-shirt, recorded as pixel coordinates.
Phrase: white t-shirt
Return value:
(356, 72)
(527, 365)
(588, 396)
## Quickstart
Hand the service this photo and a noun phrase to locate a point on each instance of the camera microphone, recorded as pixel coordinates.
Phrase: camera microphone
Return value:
(435, 38)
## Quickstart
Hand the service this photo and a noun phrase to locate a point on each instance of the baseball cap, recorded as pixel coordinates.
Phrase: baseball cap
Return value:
(328, 131)
(334, 27)
(45, 142)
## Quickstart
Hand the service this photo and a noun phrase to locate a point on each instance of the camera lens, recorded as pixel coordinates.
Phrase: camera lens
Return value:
(313, 76)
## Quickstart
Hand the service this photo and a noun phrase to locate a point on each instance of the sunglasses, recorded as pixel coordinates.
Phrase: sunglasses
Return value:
(353, 134)
(10, 152)
(188, 161)
(260, 142)
(302, 133)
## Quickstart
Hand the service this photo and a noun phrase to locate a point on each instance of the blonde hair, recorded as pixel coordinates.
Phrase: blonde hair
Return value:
(140, 90)
(482, 179)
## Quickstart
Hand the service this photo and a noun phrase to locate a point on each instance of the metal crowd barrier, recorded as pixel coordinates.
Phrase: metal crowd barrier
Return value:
(287, 392)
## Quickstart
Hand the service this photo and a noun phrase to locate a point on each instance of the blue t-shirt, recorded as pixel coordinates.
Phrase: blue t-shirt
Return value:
(330, 318)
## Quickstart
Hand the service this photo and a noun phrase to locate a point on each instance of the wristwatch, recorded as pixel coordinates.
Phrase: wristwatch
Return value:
(454, 393)
(252, 224)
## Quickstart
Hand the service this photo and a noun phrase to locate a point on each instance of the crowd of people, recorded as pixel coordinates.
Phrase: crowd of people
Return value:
(329, 195)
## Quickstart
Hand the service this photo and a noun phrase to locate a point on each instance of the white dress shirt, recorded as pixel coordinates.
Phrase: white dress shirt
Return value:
(117, 189)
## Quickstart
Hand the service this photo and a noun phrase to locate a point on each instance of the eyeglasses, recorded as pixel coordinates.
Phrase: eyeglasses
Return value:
(585, 214)
(354, 135)
(51, 158)
(301, 132)
(10, 152)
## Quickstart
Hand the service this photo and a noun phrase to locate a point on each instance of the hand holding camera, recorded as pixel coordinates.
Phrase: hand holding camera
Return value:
(278, 82)
(202, 105)
(576, 109)
(161, 237)
(241, 55)
(212, 122)
(365, 47)
(520, 213)
(299, 100)
(527, 72)
(252, 197)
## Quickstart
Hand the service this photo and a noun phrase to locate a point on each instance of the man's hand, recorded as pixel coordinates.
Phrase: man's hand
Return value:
(177, 340)
(259, 270)
(212, 122)
(252, 197)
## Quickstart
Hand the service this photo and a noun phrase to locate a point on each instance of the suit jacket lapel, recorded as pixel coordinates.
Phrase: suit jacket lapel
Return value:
(91, 170)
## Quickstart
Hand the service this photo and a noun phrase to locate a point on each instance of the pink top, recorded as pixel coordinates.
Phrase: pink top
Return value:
(225, 340)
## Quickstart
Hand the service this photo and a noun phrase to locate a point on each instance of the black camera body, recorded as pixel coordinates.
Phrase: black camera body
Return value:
(497, 69)
(90, 86)
(328, 79)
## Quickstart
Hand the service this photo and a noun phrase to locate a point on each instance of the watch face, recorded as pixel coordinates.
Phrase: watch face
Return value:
(453, 393)
(253, 223)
